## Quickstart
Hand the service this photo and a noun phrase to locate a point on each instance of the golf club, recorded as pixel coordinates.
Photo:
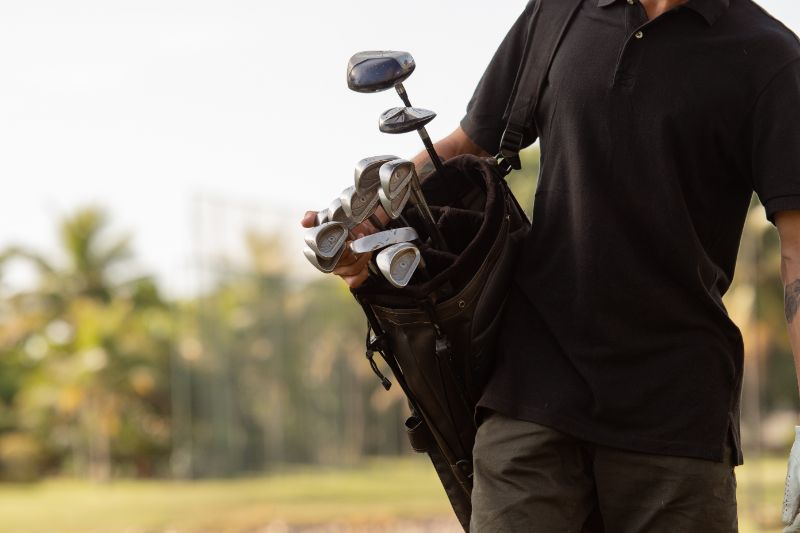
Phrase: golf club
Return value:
(378, 70)
(366, 175)
(322, 217)
(398, 263)
(322, 264)
(382, 239)
(326, 239)
(359, 205)
(395, 176)
(404, 119)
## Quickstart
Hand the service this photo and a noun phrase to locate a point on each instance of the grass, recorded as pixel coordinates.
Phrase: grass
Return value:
(374, 494)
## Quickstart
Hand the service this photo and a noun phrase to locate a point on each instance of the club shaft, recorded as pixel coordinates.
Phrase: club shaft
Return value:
(423, 133)
(401, 91)
(426, 140)
(426, 215)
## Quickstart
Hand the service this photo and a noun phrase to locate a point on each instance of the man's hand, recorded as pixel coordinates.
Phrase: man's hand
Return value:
(791, 494)
(352, 268)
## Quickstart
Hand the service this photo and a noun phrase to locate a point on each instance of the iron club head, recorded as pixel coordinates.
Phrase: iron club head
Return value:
(382, 239)
(366, 175)
(327, 239)
(322, 217)
(357, 204)
(404, 119)
(395, 176)
(398, 263)
(394, 206)
(374, 70)
(323, 264)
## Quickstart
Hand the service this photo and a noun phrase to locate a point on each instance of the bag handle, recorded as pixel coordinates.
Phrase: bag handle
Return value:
(541, 43)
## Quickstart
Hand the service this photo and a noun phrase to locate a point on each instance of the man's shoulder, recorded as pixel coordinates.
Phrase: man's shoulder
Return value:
(764, 33)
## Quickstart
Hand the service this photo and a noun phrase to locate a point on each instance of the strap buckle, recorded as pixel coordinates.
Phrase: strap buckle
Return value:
(510, 145)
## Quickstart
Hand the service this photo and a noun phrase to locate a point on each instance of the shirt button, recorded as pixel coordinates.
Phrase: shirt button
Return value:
(639, 34)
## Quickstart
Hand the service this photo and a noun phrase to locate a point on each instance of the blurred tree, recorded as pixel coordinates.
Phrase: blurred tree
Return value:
(89, 351)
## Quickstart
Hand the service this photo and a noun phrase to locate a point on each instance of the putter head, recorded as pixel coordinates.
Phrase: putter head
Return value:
(398, 263)
(382, 239)
(327, 239)
(322, 217)
(395, 176)
(320, 263)
(366, 175)
(359, 205)
(404, 119)
(394, 206)
(374, 70)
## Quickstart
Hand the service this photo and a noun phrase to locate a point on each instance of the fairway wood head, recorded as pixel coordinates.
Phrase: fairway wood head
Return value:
(395, 176)
(382, 239)
(359, 205)
(404, 119)
(326, 239)
(398, 263)
(322, 217)
(320, 263)
(374, 70)
(366, 175)
(394, 206)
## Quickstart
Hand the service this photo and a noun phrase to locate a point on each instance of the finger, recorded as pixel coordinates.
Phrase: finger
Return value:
(348, 257)
(309, 219)
(353, 268)
(355, 282)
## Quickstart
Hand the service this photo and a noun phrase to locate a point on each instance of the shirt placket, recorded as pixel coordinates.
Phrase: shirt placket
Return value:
(636, 28)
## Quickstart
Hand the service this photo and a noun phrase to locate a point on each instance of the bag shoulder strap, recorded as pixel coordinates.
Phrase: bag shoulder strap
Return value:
(549, 22)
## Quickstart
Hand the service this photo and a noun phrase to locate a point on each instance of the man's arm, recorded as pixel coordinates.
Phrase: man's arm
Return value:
(457, 143)
(788, 223)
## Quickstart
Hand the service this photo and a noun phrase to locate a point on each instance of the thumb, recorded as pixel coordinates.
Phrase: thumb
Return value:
(309, 219)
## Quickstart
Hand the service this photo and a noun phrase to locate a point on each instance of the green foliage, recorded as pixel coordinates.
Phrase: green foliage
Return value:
(101, 376)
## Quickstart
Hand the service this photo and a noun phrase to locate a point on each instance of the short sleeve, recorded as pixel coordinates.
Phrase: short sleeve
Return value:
(776, 142)
(485, 119)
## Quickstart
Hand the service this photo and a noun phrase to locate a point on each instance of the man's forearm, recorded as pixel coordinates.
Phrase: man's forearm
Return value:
(457, 143)
(790, 272)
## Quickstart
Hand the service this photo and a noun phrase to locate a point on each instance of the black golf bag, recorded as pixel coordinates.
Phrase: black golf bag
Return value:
(437, 335)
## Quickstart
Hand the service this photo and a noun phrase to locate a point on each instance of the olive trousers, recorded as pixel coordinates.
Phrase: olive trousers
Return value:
(531, 478)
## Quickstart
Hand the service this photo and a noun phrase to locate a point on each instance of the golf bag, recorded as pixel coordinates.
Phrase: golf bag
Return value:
(438, 335)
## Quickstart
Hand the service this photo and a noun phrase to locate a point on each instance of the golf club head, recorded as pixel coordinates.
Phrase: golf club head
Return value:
(395, 176)
(382, 239)
(320, 263)
(366, 175)
(326, 239)
(373, 70)
(398, 263)
(359, 205)
(322, 217)
(394, 206)
(404, 119)
(336, 213)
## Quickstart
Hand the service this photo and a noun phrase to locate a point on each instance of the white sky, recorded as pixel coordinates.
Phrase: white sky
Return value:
(142, 106)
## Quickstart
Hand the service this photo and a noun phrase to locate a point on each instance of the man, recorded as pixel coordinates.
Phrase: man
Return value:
(618, 375)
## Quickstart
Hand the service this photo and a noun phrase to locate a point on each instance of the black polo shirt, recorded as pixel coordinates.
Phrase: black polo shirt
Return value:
(654, 134)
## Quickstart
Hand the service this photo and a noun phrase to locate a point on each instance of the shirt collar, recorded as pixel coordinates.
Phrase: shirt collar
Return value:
(711, 10)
